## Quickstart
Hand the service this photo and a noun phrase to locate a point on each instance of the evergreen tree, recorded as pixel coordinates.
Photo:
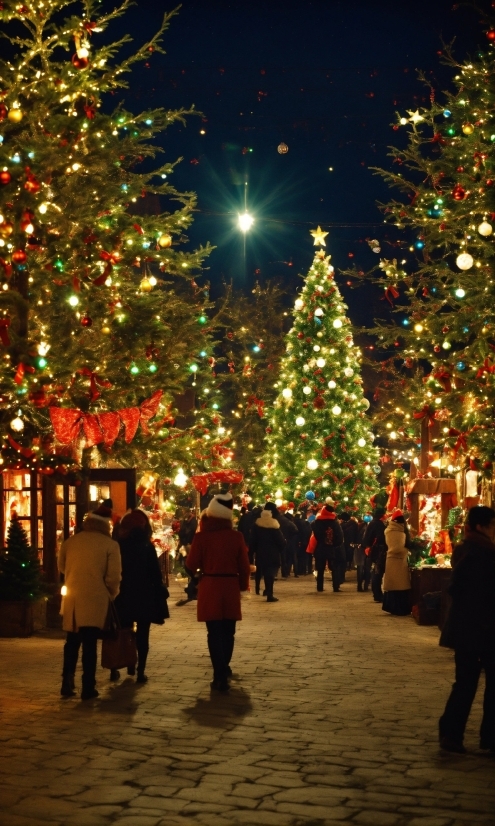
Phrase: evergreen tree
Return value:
(440, 364)
(20, 572)
(99, 308)
(319, 437)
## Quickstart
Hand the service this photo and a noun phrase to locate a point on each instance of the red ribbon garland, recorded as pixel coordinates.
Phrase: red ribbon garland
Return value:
(203, 481)
(4, 330)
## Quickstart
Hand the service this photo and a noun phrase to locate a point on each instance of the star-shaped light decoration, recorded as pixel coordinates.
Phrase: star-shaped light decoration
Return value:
(415, 116)
(319, 237)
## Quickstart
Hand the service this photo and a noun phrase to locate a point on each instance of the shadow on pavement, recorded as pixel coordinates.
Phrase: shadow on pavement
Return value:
(221, 710)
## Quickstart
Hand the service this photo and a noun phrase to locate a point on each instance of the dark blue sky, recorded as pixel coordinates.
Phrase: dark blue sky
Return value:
(324, 76)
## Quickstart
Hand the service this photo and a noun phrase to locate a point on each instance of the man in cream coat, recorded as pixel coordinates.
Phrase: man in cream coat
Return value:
(90, 562)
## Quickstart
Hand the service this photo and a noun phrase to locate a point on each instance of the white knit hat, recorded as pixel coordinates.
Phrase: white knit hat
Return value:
(221, 506)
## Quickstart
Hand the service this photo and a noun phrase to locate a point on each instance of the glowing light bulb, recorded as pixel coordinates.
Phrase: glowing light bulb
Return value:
(307, 390)
(332, 385)
(73, 301)
(17, 424)
(246, 221)
(300, 421)
(362, 442)
(311, 464)
(320, 362)
(336, 410)
(181, 479)
(337, 323)
(287, 393)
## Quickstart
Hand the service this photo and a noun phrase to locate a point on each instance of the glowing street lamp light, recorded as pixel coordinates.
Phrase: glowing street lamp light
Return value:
(246, 221)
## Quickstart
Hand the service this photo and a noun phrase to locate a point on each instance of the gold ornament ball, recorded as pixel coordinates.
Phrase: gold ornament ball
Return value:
(282, 149)
(106, 331)
(165, 241)
(15, 115)
(146, 286)
(468, 128)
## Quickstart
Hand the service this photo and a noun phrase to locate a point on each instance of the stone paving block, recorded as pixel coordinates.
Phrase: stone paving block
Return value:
(430, 821)
(328, 814)
(107, 794)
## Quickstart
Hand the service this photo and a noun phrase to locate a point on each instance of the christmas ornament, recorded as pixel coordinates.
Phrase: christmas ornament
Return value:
(19, 257)
(491, 35)
(145, 286)
(311, 464)
(5, 177)
(468, 128)
(374, 246)
(165, 241)
(6, 228)
(319, 403)
(282, 149)
(458, 193)
(106, 331)
(319, 237)
(3, 111)
(415, 117)
(15, 115)
(437, 348)
(485, 228)
(366, 404)
(86, 321)
(464, 261)
(17, 424)
(348, 372)
(309, 495)
(80, 62)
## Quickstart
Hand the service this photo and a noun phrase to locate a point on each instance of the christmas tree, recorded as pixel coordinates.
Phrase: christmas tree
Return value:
(319, 437)
(439, 369)
(20, 572)
(102, 323)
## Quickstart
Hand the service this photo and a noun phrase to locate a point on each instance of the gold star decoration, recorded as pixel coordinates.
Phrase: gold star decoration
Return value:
(319, 237)
(415, 116)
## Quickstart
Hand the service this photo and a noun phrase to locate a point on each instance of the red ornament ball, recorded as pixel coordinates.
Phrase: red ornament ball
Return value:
(268, 430)
(167, 481)
(319, 403)
(86, 321)
(489, 182)
(458, 193)
(5, 177)
(491, 35)
(300, 335)
(3, 111)
(19, 257)
(80, 62)
(445, 329)
(437, 348)
(460, 169)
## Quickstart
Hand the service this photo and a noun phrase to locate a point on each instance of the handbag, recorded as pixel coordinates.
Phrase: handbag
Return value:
(120, 652)
(112, 625)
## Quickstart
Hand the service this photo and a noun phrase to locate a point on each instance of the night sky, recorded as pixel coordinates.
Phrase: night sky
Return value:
(324, 76)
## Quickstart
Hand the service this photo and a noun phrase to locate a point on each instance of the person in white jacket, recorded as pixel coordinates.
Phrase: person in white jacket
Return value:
(397, 580)
(91, 565)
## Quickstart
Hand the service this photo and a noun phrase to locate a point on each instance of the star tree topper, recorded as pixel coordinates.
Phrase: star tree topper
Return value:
(319, 237)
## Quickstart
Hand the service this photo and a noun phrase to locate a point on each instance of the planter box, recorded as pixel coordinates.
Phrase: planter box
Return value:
(23, 618)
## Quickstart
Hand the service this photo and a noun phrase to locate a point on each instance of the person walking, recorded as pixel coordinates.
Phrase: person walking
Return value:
(305, 561)
(91, 566)
(219, 553)
(187, 530)
(247, 520)
(470, 630)
(375, 549)
(267, 545)
(291, 537)
(327, 544)
(397, 579)
(363, 573)
(292, 548)
(142, 597)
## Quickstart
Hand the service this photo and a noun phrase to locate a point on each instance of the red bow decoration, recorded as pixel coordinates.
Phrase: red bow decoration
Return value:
(426, 412)
(391, 293)
(443, 377)
(461, 439)
(95, 381)
(6, 267)
(259, 404)
(4, 330)
(102, 427)
(24, 451)
(21, 370)
(486, 367)
(204, 480)
(111, 258)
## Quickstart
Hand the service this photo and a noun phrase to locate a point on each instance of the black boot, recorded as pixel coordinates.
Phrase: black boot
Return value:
(68, 688)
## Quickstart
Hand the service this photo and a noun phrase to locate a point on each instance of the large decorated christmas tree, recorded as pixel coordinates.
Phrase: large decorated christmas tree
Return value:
(319, 437)
(440, 365)
(102, 323)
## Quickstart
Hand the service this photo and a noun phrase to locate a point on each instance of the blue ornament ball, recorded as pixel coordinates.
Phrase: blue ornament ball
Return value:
(310, 495)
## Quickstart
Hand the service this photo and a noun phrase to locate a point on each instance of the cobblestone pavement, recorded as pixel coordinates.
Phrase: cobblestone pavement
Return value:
(332, 718)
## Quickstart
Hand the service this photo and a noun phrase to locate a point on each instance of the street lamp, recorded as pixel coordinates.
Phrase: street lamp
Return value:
(246, 221)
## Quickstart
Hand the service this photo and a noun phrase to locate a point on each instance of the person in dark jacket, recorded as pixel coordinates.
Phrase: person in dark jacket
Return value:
(246, 522)
(327, 544)
(291, 554)
(304, 528)
(363, 574)
(470, 631)
(142, 597)
(374, 540)
(290, 535)
(350, 531)
(266, 546)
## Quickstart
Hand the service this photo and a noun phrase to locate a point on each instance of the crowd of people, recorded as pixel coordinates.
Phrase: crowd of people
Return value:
(122, 569)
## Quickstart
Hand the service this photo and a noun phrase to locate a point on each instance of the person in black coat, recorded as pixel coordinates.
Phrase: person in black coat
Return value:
(304, 528)
(246, 522)
(350, 530)
(266, 546)
(291, 537)
(374, 540)
(470, 631)
(142, 597)
(327, 544)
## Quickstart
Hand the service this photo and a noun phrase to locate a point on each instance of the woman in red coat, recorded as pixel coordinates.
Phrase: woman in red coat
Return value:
(220, 554)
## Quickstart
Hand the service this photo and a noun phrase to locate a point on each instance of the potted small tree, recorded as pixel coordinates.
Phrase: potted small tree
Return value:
(22, 604)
